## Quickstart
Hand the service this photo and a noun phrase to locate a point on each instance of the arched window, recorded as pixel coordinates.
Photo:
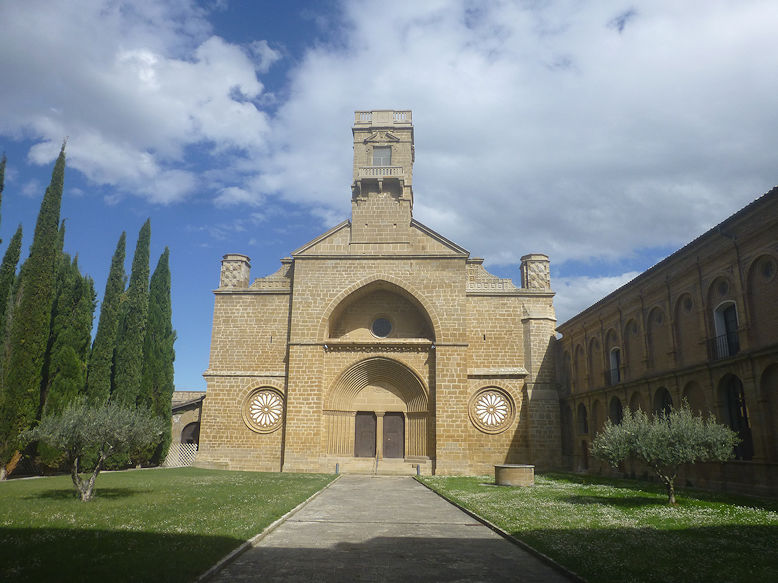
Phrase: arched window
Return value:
(596, 378)
(636, 402)
(663, 402)
(583, 422)
(191, 433)
(658, 339)
(726, 342)
(633, 350)
(615, 412)
(762, 291)
(736, 413)
(615, 364)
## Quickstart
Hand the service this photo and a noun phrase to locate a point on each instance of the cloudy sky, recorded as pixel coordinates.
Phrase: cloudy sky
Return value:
(605, 134)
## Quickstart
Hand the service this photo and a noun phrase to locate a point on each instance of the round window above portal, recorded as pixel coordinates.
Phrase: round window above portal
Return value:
(381, 327)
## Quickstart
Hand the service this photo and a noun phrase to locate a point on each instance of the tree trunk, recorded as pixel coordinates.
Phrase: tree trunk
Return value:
(669, 484)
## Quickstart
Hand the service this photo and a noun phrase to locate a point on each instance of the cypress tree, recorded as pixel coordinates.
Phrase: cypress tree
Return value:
(158, 353)
(128, 363)
(98, 382)
(70, 333)
(29, 334)
(2, 180)
(8, 271)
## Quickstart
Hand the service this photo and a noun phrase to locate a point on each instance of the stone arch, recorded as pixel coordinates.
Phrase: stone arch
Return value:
(379, 385)
(395, 376)
(658, 338)
(596, 375)
(614, 357)
(375, 282)
(191, 433)
(579, 364)
(633, 349)
(615, 411)
(663, 401)
(761, 291)
(687, 330)
(636, 402)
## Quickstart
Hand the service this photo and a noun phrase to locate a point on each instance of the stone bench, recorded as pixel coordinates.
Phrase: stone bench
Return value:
(514, 475)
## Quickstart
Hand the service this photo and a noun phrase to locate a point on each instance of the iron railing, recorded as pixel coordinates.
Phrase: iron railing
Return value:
(724, 346)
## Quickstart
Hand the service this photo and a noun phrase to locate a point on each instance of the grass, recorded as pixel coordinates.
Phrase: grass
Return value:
(610, 530)
(149, 525)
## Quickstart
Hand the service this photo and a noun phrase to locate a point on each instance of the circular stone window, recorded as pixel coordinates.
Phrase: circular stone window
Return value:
(381, 327)
(263, 410)
(492, 410)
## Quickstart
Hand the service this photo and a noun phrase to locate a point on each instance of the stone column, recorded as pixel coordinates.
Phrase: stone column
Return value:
(379, 434)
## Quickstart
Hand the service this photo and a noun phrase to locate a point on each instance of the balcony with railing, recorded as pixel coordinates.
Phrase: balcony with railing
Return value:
(383, 117)
(380, 171)
(724, 346)
(612, 377)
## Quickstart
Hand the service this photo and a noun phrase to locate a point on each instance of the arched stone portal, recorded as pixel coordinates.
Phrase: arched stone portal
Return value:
(370, 392)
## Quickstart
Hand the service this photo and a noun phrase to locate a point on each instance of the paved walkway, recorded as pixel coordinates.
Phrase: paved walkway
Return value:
(365, 528)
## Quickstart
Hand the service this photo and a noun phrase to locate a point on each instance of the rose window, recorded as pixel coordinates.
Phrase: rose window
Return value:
(491, 410)
(263, 410)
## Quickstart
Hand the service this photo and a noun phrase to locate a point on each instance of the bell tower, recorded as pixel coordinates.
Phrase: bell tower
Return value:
(382, 190)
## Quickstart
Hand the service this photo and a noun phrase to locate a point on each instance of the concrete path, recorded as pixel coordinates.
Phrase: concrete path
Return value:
(366, 528)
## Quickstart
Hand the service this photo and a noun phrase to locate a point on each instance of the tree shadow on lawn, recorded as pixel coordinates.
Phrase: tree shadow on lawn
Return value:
(732, 553)
(51, 554)
(620, 501)
(71, 494)
(654, 487)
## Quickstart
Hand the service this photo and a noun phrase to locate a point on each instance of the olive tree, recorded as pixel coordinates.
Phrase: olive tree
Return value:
(86, 430)
(665, 442)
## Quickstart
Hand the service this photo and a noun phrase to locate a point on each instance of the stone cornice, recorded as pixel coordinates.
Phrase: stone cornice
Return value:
(243, 373)
(501, 372)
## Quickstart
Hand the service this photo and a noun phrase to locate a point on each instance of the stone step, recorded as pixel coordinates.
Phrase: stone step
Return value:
(384, 467)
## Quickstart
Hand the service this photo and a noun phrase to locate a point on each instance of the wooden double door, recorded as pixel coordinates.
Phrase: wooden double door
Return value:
(392, 430)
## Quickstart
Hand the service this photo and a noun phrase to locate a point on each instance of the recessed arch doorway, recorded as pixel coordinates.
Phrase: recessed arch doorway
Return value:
(377, 407)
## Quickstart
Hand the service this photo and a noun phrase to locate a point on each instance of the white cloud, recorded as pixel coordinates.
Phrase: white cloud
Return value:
(233, 195)
(574, 294)
(577, 130)
(580, 130)
(132, 86)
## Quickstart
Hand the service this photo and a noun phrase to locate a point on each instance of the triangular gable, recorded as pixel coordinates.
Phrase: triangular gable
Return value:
(337, 238)
(381, 137)
(434, 242)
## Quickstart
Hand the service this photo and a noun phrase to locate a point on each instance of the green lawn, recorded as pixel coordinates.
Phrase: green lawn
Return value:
(143, 525)
(619, 531)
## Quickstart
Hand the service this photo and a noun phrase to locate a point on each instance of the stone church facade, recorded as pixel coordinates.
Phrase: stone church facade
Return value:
(381, 346)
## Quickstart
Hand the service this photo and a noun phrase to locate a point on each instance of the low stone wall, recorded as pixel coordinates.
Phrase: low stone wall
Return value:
(514, 475)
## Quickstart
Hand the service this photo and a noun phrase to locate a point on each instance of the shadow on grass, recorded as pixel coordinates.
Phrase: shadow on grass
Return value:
(643, 486)
(50, 554)
(620, 501)
(732, 553)
(71, 494)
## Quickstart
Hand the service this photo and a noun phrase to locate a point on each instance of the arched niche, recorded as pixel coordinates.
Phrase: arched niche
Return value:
(762, 293)
(377, 310)
(381, 386)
